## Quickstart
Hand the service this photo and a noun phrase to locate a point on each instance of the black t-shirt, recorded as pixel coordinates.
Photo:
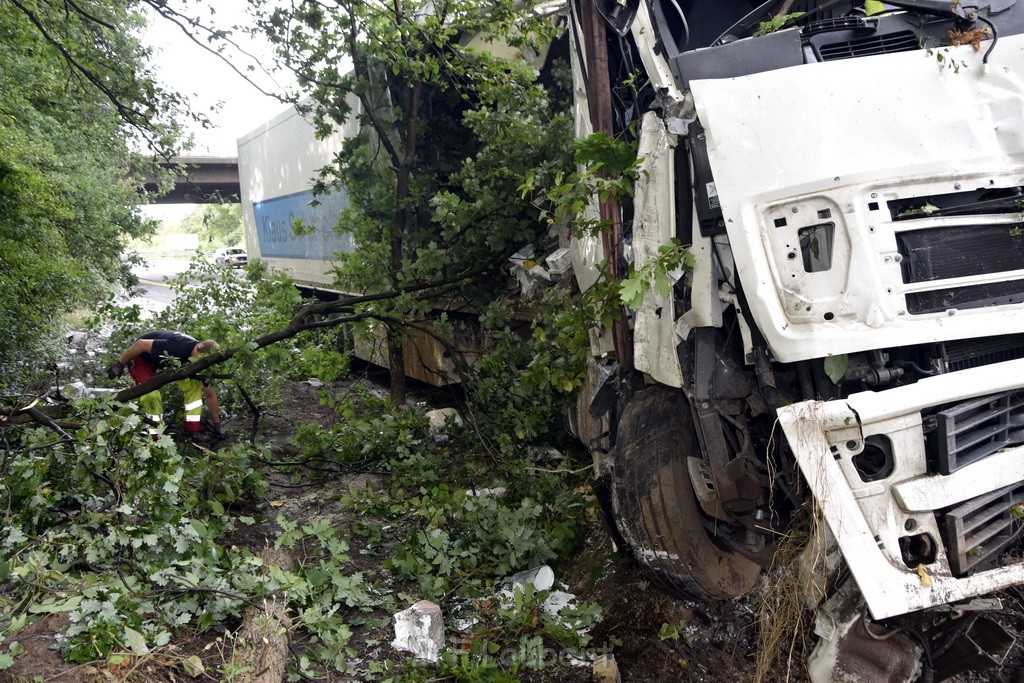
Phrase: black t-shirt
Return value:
(169, 343)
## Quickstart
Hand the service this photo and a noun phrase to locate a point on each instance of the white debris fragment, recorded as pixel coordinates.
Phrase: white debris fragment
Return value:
(556, 602)
(542, 578)
(80, 390)
(419, 630)
(492, 492)
(606, 670)
(559, 261)
(77, 339)
(439, 419)
(314, 382)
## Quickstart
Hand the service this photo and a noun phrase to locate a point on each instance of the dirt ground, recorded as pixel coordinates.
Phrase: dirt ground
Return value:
(710, 642)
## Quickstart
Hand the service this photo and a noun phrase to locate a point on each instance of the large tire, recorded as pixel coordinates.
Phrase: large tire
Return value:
(654, 503)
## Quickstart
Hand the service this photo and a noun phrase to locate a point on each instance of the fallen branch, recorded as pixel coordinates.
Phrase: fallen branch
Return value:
(309, 317)
(261, 652)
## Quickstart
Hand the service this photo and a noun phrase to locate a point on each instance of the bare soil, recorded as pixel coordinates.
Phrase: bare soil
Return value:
(709, 642)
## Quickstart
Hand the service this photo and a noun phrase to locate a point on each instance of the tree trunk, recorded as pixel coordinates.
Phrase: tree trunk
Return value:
(261, 649)
(396, 361)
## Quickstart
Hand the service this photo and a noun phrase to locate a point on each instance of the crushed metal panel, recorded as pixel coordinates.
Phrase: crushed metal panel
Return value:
(814, 173)
(868, 518)
(654, 345)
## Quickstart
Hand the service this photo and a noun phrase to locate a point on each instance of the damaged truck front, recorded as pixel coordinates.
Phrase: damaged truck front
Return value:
(849, 343)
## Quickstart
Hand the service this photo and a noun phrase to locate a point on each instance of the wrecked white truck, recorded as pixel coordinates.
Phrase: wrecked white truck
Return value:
(849, 344)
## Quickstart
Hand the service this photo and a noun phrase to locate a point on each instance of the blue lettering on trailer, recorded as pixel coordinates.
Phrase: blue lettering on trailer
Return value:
(274, 219)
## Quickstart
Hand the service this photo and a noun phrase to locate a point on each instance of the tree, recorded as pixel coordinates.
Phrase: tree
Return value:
(447, 132)
(216, 224)
(74, 91)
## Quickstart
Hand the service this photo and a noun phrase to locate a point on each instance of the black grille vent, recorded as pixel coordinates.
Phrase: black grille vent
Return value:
(839, 24)
(971, 430)
(973, 353)
(976, 531)
(900, 41)
(959, 251)
(965, 298)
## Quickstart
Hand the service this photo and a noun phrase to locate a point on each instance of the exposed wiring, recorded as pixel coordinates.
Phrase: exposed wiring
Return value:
(686, 26)
(992, 27)
(915, 367)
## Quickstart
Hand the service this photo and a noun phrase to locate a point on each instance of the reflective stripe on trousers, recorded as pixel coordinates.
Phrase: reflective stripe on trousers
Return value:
(193, 390)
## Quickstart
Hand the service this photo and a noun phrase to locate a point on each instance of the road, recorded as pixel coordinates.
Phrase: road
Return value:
(158, 295)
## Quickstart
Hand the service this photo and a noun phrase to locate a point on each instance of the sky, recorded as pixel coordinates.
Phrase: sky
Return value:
(233, 105)
(208, 82)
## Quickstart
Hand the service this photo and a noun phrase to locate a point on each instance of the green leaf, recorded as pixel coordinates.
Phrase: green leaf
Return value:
(631, 291)
(193, 666)
(135, 641)
(835, 367)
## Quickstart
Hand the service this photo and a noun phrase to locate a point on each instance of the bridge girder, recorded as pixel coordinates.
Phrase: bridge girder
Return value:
(200, 180)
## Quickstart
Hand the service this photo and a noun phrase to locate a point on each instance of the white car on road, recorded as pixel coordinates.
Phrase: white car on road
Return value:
(231, 256)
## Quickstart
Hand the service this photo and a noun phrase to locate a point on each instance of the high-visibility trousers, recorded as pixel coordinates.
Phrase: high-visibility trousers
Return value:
(151, 403)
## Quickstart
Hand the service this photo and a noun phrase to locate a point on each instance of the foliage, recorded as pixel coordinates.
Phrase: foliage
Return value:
(74, 88)
(119, 531)
(519, 389)
(777, 23)
(657, 273)
(606, 169)
(445, 132)
(231, 307)
(218, 225)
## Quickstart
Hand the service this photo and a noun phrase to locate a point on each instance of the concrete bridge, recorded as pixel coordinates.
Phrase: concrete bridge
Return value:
(200, 180)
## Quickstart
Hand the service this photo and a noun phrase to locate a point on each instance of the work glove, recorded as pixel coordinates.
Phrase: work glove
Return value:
(219, 433)
(116, 370)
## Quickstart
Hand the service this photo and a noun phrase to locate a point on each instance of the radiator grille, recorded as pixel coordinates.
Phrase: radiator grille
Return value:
(977, 531)
(949, 252)
(971, 430)
(900, 41)
(973, 353)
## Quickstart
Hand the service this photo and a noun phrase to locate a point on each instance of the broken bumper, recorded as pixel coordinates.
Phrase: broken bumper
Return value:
(922, 485)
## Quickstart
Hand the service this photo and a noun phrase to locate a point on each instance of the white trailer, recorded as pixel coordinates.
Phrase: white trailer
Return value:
(277, 164)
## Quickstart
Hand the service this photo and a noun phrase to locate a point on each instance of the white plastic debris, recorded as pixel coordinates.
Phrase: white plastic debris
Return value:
(492, 492)
(77, 339)
(419, 630)
(439, 419)
(542, 578)
(79, 390)
(559, 261)
(556, 602)
(314, 382)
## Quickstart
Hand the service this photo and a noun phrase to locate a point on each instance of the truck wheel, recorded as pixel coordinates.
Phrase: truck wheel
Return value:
(654, 503)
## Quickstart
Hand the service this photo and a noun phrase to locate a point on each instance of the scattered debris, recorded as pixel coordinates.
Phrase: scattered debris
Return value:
(559, 262)
(419, 630)
(556, 602)
(544, 454)
(542, 578)
(80, 390)
(855, 649)
(77, 339)
(492, 492)
(972, 37)
(439, 419)
(606, 670)
(314, 382)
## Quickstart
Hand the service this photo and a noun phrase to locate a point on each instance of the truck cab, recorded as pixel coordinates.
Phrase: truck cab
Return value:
(848, 347)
